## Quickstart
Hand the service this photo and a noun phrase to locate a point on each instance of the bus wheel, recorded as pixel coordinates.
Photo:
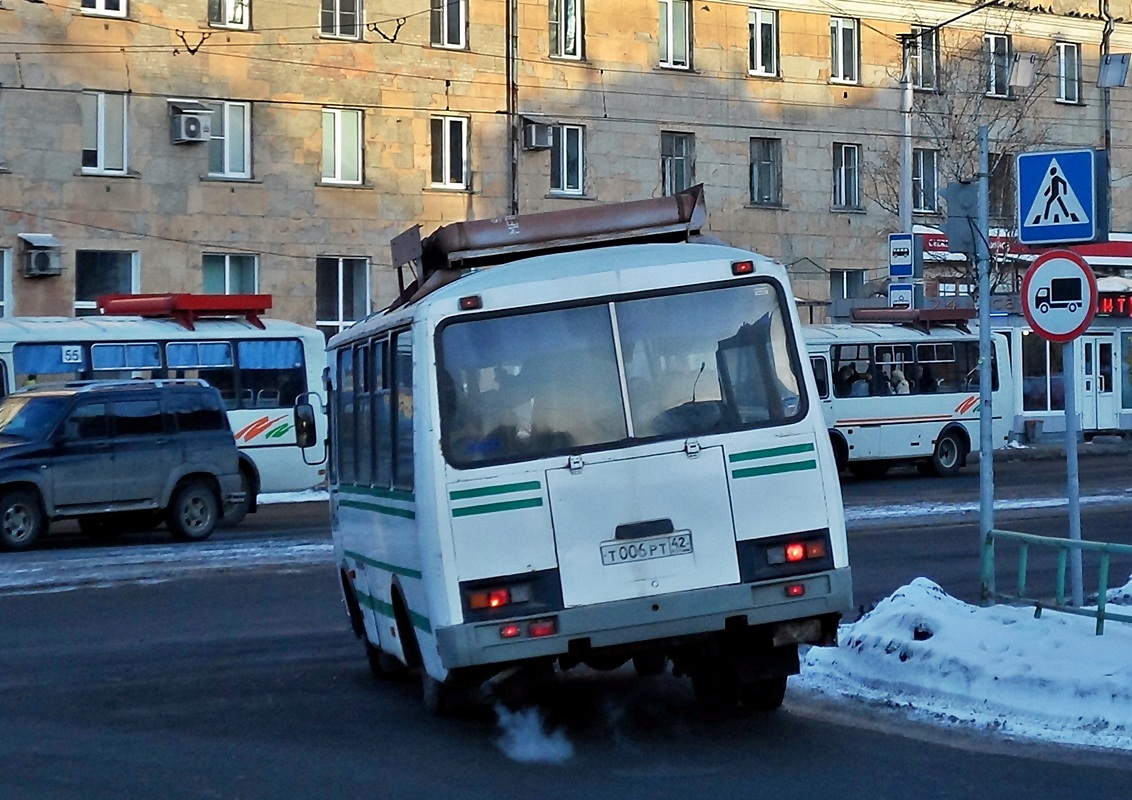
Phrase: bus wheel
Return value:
(383, 666)
(716, 686)
(949, 454)
(763, 695)
(21, 521)
(439, 697)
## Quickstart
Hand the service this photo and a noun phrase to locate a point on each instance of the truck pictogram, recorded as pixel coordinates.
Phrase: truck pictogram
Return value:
(1061, 293)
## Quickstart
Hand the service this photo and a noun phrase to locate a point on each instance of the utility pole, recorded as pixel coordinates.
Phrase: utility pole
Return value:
(907, 40)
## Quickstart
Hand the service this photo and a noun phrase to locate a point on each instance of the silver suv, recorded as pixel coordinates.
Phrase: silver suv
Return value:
(117, 456)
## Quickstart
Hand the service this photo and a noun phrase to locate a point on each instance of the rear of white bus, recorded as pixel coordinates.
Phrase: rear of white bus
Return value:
(642, 475)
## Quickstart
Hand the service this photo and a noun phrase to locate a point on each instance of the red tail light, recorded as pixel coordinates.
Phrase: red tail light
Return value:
(795, 589)
(795, 551)
(509, 631)
(542, 627)
(742, 267)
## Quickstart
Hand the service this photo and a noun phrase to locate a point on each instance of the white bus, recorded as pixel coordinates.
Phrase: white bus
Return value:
(907, 392)
(601, 453)
(261, 366)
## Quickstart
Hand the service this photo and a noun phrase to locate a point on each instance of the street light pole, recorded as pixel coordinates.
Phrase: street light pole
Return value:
(906, 95)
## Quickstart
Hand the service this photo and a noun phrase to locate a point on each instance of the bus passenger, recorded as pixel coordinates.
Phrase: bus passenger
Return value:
(899, 384)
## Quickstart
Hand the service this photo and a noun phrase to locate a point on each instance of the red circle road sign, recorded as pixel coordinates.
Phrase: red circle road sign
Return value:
(1059, 295)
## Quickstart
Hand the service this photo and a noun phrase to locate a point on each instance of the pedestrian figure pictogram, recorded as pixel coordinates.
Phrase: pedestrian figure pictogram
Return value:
(1055, 203)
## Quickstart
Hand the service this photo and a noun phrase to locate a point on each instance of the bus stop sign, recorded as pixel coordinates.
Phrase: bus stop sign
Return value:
(1059, 295)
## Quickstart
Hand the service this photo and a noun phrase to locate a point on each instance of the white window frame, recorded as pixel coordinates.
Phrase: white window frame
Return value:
(135, 281)
(670, 162)
(844, 67)
(760, 62)
(846, 175)
(341, 323)
(566, 32)
(336, 33)
(1068, 72)
(101, 146)
(334, 117)
(231, 14)
(771, 166)
(567, 138)
(450, 127)
(229, 267)
(99, 8)
(7, 301)
(845, 281)
(998, 68)
(440, 22)
(923, 58)
(670, 12)
(222, 133)
(925, 179)
(954, 288)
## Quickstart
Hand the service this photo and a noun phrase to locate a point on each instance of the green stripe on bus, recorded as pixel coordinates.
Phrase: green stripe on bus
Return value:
(491, 508)
(370, 491)
(774, 469)
(372, 562)
(486, 491)
(419, 621)
(788, 450)
(407, 513)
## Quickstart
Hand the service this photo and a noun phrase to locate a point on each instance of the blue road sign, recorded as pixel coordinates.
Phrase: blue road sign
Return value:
(901, 256)
(1057, 197)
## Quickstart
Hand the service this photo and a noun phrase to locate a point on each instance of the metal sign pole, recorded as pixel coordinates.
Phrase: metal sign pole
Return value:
(1069, 378)
(986, 417)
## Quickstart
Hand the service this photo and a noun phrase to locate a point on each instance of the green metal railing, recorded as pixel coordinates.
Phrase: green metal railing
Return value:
(1063, 547)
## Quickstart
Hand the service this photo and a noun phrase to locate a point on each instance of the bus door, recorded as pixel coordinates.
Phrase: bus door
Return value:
(1098, 401)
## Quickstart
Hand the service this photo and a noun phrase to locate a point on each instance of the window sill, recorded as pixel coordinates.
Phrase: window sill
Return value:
(764, 76)
(553, 195)
(91, 173)
(442, 46)
(568, 59)
(448, 189)
(836, 82)
(847, 210)
(94, 12)
(675, 68)
(336, 185)
(1075, 103)
(229, 179)
(332, 37)
(766, 206)
(225, 26)
(1000, 96)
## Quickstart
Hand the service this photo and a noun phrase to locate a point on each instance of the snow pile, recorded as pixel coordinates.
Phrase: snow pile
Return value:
(994, 668)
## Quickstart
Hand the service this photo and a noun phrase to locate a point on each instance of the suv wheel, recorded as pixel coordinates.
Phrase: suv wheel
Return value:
(21, 520)
(193, 512)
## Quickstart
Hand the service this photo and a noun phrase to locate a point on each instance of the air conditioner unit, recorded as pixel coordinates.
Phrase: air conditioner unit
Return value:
(537, 136)
(42, 262)
(188, 128)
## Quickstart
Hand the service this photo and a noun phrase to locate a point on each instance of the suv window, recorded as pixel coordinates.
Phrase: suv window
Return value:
(196, 411)
(86, 422)
(137, 417)
(30, 418)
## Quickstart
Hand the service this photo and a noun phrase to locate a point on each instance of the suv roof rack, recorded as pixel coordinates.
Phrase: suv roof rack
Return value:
(438, 259)
(922, 318)
(115, 383)
(187, 308)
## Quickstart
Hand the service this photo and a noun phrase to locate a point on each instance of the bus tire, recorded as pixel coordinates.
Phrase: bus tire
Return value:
(950, 453)
(763, 695)
(716, 686)
(840, 451)
(193, 511)
(383, 666)
(21, 520)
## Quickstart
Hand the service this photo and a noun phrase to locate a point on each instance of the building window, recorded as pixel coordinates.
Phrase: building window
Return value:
(342, 19)
(955, 289)
(449, 141)
(111, 8)
(449, 23)
(99, 272)
(566, 28)
(1068, 72)
(923, 58)
(228, 273)
(567, 159)
(104, 132)
(924, 195)
(341, 292)
(1000, 186)
(998, 57)
(677, 164)
(844, 50)
(1043, 374)
(229, 148)
(5, 287)
(846, 183)
(845, 283)
(766, 172)
(228, 13)
(762, 41)
(675, 33)
(341, 145)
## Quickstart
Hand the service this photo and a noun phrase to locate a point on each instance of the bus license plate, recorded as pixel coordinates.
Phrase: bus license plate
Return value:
(619, 552)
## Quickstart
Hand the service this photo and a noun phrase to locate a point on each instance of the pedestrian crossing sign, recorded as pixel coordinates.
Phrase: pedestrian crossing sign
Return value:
(1057, 197)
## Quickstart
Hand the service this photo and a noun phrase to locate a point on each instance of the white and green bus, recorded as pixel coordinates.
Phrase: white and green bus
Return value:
(606, 447)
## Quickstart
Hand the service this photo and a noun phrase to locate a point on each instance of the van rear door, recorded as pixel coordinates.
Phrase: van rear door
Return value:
(643, 526)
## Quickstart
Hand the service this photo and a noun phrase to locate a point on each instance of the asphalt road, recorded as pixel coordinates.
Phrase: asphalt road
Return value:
(245, 683)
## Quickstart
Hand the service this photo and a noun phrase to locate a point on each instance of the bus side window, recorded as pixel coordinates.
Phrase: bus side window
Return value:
(382, 414)
(821, 376)
(271, 372)
(403, 399)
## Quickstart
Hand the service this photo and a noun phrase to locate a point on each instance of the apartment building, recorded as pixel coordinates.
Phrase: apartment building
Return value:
(228, 146)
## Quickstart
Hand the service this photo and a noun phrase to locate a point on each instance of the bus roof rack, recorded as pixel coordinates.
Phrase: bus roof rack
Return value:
(187, 308)
(438, 259)
(923, 318)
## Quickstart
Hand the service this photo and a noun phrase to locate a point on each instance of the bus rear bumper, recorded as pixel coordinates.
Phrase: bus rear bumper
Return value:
(644, 620)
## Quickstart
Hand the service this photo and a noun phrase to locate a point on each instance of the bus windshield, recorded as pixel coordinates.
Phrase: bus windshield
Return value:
(531, 384)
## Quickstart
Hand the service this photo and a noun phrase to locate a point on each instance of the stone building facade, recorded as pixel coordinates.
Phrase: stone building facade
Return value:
(238, 145)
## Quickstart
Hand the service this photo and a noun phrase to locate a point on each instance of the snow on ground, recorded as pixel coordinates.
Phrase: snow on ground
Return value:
(996, 669)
